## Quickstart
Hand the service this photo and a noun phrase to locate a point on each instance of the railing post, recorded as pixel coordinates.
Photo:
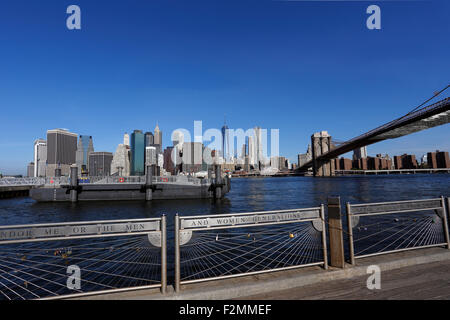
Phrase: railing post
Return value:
(350, 234)
(324, 237)
(177, 253)
(163, 255)
(335, 232)
(445, 215)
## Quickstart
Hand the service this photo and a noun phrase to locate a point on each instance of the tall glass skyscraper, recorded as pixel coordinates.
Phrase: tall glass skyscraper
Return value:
(137, 153)
(84, 148)
(225, 143)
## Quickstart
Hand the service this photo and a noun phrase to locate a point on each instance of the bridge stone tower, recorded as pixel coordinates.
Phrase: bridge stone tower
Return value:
(321, 143)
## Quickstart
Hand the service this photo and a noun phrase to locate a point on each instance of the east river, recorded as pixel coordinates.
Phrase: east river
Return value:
(246, 195)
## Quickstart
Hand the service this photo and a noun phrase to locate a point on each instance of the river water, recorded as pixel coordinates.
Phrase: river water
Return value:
(246, 195)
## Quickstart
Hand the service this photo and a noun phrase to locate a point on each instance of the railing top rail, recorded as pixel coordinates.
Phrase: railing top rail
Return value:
(249, 219)
(248, 213)
(78, 230)
(391, 202)
(77, 223)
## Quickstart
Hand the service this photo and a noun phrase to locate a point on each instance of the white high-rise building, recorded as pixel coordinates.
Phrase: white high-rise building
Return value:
(252, 158)
(40, 157)
(150, 156)
(120, 164)
(126, 139)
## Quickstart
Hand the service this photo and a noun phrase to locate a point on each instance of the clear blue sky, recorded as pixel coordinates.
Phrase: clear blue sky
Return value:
(298, 66)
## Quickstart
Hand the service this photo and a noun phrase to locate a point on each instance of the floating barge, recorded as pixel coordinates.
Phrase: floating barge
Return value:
(130, 188)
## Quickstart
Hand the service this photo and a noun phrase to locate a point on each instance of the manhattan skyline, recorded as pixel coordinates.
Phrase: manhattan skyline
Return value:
(181, 62)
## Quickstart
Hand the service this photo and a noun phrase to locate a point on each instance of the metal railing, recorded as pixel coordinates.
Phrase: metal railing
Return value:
(142, 180)
(387, 227)
(111, 256)
(232, 245)
(56, 181)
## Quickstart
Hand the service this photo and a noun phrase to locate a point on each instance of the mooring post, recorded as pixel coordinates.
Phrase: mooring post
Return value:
(218, 189)
(73, 183)
(335, 232)
(149, 183)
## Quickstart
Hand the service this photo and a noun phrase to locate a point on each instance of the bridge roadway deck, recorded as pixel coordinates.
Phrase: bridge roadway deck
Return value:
(418, 274)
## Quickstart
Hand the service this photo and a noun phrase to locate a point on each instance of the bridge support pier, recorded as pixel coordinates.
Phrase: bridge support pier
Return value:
(218, 182)
(321, 143)
(73, 183)
(149, 183)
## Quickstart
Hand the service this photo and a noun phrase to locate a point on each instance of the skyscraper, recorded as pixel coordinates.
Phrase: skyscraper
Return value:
(259, 152)
(360, 153)
(126, 139)
(100, 163)
(61, 151)
(149, 139)
(137, 153)
(121, 161)
(30, 169)
(225, 142)
(252, 159)
(84, 148)
(192, 158)
(40, 157)
(150, 156)
(158, 136)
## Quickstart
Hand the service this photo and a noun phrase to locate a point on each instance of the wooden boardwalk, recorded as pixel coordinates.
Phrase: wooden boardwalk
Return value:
(420, 282)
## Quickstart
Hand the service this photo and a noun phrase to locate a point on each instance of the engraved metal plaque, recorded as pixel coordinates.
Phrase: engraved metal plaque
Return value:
(250, 219)
(76, 230)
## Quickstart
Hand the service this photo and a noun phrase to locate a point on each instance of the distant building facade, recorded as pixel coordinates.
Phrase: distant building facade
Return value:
(192, 157)
(169, 164)
(360, 153)
(30, 170)
(344, 164)
(121, 160)
(405, 161)
(84, 148)
(137, 153)
(438, 159)
(40, 157)
(61, 151)
(100, 163)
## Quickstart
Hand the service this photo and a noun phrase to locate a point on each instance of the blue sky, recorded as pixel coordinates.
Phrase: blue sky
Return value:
(298, 66)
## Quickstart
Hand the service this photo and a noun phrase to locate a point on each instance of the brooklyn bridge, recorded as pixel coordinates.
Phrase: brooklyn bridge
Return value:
(325, 150)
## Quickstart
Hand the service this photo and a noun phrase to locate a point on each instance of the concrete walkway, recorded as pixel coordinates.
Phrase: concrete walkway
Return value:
(418, 274)
(420, 282)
